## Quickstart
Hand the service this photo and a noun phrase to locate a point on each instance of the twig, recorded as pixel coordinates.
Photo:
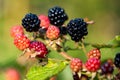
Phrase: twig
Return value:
(65, 55)
(83, 46)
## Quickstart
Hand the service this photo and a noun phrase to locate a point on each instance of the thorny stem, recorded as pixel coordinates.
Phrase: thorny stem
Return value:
(65, 55)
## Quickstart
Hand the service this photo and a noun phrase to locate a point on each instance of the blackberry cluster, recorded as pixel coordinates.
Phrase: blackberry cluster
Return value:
(107, 68)
(63, 30)
(117, 60)
(77, 29)
(57, 16)
(31, 22)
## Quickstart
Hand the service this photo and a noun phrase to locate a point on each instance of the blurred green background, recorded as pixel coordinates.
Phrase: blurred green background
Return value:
(105, 13)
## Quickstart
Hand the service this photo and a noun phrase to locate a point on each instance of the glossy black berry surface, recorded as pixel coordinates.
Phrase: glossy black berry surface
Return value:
(117, 60)
(57, 16)
(77, 29)
(30, 22)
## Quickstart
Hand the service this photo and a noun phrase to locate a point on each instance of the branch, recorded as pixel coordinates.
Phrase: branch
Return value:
(65, 55)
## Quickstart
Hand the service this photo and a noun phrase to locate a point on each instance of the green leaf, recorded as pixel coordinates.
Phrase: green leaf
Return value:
(109, 53)
(53, 67)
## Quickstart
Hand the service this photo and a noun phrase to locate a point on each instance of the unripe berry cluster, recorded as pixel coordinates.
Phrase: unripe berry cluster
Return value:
(51, 32)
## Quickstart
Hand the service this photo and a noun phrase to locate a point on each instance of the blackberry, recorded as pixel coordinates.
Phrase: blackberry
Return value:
(57, 16)
(92, 64)
(76, 64)
(31, 22)
(63, 30)
(39, 47)
(117, 60)
(107, 68)
(94, 53)
(77, 29)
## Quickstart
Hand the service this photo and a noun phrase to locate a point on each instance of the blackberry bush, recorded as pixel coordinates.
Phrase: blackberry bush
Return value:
(48, 48)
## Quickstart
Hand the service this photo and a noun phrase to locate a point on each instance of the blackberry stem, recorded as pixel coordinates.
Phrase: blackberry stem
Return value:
(65, 55)
(83, 46)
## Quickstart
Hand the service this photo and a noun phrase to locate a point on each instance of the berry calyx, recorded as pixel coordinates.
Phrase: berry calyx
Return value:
(107, 68)
(77, 29)
(95, 53)
(21, 42)
(15, 30)
(38, 47)
(92, 64)
(52, 32)
(30, 22)
(57, 16)
(45, 22)
(76, 64)
(117, 60)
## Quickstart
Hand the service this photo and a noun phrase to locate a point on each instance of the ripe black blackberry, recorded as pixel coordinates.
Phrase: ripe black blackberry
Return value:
(30, 22)
(117, 60)
(107, 68)
(77, 29)
(57, 16)
(63, 30)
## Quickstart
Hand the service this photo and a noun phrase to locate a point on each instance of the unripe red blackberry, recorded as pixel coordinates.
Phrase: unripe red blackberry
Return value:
(107, 68)
(30, 22)
(15, 30)
(52, 32)
(76, 64)
(77, 29)
(92, 64)
(45, 22)
(39, 47)
(57, 16)
(95, 53)
(117, 60)
(21, 42)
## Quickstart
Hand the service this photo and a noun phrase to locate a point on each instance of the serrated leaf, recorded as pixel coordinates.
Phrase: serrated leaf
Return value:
(53, 67)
